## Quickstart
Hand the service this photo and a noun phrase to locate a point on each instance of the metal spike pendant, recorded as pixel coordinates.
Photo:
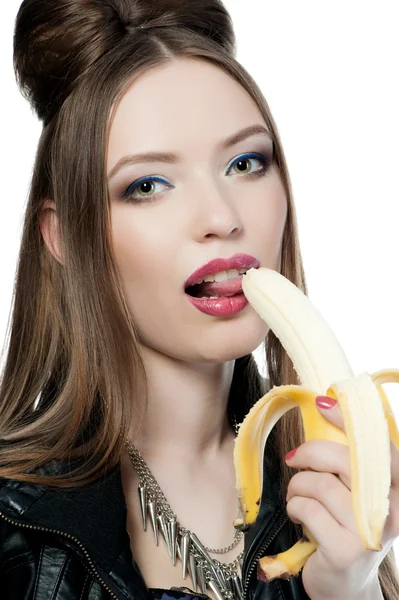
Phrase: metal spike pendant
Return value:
(178, 551)
(230, 586)
(201, 577)
(193, 570)
(221, 575)
(152, 509)
(202, 550)
(185, 552)
(165, 534)
(198, 546)
(143, 504)
(216, 589)
(238, 586)
(172, 531)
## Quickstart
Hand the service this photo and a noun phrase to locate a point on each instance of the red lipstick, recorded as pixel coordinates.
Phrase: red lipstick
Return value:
(231, 300)
(238, 261)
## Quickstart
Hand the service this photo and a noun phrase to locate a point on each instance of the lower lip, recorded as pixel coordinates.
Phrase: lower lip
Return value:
(220, 307)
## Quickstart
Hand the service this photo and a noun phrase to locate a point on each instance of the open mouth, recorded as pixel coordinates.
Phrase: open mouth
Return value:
(219, 285)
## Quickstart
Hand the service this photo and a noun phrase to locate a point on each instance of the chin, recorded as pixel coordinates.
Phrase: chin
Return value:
(223, 340)
(234, 340)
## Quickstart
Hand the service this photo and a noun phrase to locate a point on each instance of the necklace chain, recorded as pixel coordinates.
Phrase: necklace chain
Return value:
(222, 578)
(156, 495)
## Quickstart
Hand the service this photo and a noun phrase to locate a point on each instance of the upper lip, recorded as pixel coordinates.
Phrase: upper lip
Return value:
(238, 261)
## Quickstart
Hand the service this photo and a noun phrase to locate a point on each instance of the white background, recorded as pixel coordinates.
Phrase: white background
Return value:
(329, 71)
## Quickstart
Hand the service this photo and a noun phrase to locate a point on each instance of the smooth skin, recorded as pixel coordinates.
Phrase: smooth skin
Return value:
(204, 207)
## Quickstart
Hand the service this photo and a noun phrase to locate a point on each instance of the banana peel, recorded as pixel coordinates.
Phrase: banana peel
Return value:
(323, 369)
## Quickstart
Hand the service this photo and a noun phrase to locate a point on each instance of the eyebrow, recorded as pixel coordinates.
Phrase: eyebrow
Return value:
(171, 158)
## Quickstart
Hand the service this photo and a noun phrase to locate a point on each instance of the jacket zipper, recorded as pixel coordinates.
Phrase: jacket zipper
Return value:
(260, 552)
(90, 565)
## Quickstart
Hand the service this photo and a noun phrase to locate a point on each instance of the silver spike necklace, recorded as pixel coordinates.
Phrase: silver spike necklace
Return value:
(223, 579)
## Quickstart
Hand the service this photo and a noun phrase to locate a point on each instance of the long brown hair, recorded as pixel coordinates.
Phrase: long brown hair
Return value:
(73, 362)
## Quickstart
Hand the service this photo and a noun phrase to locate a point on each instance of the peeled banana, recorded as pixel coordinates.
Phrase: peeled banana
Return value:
(323, 369)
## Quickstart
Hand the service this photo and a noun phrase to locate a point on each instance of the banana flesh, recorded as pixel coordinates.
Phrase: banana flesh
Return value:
(323, 369)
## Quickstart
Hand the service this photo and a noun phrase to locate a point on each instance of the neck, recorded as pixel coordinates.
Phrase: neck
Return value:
(187, 407)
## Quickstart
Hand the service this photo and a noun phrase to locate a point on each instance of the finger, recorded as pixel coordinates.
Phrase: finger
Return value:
(327, 489)
(394, 466)
(330, 410)
(391, 529)
(332, 538)
(323, 456)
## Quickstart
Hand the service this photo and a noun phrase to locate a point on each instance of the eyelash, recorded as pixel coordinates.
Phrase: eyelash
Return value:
(265, 160)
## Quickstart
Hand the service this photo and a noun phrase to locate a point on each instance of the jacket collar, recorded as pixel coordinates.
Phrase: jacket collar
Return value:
(94, 514)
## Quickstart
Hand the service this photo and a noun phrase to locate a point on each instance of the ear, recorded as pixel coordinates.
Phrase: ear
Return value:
(49, 228)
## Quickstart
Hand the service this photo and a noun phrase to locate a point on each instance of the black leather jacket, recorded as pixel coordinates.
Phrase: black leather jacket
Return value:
(73, 544)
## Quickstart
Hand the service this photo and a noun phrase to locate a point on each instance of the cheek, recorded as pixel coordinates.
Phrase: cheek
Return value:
(266, 221)
(136, 239)
(145, 248)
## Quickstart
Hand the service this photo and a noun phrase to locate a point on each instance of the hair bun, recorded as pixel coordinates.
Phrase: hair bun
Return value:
(55, 41)
(208, 18)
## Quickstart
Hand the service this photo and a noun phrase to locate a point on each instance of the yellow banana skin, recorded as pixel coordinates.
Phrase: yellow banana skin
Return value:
(323, 369)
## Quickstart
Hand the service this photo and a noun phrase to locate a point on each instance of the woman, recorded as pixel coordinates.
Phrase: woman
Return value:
(129, 365)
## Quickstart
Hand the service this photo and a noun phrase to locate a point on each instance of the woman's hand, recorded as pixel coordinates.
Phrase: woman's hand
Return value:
(320, 499)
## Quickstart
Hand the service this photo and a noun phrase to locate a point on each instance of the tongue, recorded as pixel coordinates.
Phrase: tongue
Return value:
(219, 288)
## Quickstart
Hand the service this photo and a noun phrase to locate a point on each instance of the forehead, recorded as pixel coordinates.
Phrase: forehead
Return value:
(184, 104)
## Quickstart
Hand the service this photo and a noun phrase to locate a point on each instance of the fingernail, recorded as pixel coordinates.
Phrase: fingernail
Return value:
(290, 454)
(325, 402)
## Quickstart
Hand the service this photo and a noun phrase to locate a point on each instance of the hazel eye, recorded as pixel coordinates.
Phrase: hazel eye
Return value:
(147, 187)
(243, 164)
(144, 189)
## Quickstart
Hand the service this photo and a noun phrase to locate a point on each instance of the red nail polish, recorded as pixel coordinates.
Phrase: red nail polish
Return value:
(291, 454)
(325, 402)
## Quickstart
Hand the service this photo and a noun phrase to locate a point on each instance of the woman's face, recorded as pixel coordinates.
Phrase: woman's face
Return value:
(214, 201)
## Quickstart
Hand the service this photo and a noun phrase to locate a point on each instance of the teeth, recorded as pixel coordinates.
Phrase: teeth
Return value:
(208, 278)
(223, 275)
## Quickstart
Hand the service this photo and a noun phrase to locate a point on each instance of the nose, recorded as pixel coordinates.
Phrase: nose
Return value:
(216, 214)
